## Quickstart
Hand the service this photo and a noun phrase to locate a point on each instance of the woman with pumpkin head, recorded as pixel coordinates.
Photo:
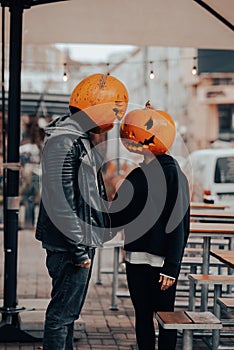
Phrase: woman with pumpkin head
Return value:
(152, 206)
(73, 219)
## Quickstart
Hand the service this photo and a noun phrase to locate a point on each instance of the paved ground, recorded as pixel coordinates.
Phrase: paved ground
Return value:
(99, 329)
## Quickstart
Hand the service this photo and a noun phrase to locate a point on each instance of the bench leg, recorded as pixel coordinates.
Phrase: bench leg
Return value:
(187, 339)
(217, 313)
(205, 270)
(99, 264)
(192, 296)
(115, 281)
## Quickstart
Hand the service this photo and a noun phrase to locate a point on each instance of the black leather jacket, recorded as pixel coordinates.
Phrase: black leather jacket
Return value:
(73, 215)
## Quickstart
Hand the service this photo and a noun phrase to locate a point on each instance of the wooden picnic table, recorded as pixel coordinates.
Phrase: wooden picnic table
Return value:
(208, 231)
(226, 257)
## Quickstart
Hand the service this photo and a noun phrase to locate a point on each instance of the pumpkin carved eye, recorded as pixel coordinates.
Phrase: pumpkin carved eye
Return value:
(116, 111)
(132, 134)
(149, 124)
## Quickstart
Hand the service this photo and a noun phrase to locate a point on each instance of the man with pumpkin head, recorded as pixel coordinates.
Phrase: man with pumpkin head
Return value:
(73, 218)
(152, 206)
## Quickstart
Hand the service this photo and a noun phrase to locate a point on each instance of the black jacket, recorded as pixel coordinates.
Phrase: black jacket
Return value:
(152, 205)
(72, 214)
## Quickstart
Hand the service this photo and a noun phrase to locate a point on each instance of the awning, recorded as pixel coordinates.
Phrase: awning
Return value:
(180, 23)
(37, 104)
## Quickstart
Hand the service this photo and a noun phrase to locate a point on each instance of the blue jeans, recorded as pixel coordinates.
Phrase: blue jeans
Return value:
(69, 289)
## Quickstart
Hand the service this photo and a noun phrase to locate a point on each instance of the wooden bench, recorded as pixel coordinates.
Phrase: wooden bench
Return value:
(226, 303)
(188, 321)
(193, 262)
(217, 281)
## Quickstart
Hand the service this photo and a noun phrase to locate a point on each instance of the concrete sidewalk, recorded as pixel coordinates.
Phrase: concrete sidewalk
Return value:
(99, 327)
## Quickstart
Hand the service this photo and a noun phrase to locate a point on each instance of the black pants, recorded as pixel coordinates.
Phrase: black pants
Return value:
(147, 298)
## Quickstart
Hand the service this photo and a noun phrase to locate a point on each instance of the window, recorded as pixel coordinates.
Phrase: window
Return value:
(226, 122)
(224, 170)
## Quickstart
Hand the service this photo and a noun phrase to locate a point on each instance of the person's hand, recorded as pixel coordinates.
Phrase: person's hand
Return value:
(86, 264)
(166, 282)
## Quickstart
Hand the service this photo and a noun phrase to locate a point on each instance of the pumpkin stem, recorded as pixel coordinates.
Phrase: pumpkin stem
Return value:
(148, 105)
(103, 80)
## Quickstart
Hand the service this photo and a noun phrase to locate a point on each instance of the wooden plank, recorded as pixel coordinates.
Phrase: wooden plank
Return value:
(211, 279)
(198, 260)
(174, 320)
(222, 252)
(180, 320)
(198, 205)
(176, 317)
(212, 214)
(205, 317)
(226, 303)
(225, 256)
(213, 228)
(192, 250)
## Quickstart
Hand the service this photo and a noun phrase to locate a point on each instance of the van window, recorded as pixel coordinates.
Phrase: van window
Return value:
(224, 170)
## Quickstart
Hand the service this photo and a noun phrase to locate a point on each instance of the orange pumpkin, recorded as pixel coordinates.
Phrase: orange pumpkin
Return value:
(102, 97)
(148, 129)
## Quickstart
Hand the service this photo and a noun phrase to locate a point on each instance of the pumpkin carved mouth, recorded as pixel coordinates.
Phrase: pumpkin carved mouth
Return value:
(148, 141)
(139, 146)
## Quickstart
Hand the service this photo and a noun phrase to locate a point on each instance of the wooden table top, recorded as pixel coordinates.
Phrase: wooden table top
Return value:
(211, 228)
(226, 256)
(200, 205)
(212, 214)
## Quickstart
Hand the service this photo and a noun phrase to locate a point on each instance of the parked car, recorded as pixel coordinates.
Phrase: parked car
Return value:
(212, 177)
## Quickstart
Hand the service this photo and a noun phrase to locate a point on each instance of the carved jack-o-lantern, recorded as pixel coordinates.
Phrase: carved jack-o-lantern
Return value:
(102, 97)
(148, 129)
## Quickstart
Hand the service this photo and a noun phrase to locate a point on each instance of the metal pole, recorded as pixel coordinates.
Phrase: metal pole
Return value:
(10, 324)
(12, 188)
(115, 281)
(187, 339)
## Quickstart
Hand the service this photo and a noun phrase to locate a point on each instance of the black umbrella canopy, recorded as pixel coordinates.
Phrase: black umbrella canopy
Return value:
(181, 23)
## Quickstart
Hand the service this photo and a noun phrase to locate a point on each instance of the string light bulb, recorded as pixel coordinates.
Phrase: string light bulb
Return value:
(151, 75)
(194, 69)
(65, 77)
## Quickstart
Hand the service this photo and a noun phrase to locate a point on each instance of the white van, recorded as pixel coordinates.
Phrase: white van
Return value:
(212, 177)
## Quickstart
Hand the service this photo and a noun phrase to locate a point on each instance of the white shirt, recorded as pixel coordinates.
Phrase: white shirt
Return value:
(145, 258)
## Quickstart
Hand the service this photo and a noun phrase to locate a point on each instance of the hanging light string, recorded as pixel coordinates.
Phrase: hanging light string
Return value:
(106, 66)
(116, 64)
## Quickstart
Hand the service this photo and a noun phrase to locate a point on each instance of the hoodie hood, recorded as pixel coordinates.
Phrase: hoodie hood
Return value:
(65, 124)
